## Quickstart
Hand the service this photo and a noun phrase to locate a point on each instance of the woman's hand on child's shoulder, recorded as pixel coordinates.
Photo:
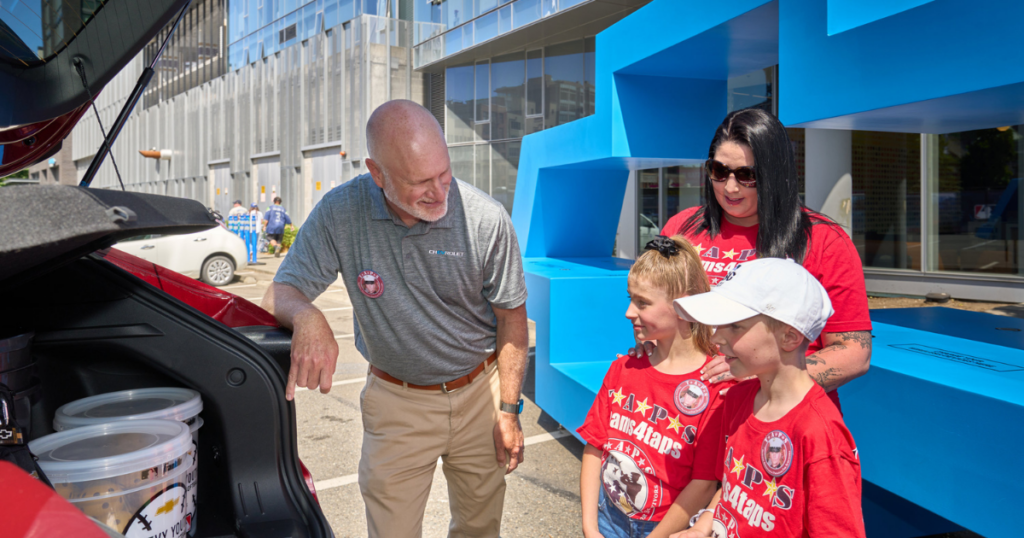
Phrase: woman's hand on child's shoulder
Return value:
(592, 534)
(716, 370)
(645, 349)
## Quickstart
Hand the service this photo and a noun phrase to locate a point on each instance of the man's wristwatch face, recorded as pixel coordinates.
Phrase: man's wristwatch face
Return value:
(516, 408)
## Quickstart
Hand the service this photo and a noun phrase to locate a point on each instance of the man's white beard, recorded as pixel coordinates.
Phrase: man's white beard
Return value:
(417, 212)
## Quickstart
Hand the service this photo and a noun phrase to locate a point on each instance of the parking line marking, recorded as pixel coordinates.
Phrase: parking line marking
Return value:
(332, 483)
(237, 287)
(340, 336)
(544, 437)
(336, 309)
(336, 383)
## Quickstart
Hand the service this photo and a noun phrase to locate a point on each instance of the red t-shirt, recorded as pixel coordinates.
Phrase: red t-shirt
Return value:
(651, 427)
(796, 476)
(831, 258)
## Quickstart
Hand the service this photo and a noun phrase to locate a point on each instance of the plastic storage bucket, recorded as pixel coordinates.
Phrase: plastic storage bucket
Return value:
(15, 351)
(130, 475)
(169, 403)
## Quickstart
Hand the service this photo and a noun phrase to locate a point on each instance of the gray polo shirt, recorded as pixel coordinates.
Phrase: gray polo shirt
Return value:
(422, 296)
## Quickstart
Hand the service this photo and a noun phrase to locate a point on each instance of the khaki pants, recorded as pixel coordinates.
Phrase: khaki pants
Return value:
(405, 431)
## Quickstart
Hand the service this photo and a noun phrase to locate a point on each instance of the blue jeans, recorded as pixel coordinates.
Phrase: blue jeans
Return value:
(612, 523)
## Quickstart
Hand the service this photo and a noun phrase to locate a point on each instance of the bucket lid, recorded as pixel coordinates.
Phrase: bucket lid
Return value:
(111, 449)
(139, 404)
(14, 343)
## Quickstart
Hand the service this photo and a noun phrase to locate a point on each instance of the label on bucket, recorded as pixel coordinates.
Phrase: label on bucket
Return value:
(163, 515)
(190, 488)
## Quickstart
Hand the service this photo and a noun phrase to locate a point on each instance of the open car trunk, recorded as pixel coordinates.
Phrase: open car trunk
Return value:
(100, 329)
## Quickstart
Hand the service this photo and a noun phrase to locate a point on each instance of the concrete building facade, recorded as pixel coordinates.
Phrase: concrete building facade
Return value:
(288, 122)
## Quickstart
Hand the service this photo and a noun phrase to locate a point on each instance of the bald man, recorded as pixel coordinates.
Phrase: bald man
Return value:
(432, 267)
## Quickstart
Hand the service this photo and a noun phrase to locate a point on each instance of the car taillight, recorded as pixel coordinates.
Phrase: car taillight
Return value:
(309, 481)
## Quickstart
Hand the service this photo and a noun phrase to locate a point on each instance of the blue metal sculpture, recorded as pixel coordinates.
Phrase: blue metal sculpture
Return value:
(926, 66)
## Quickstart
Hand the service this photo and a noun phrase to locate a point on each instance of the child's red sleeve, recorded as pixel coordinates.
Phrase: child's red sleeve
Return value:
(595, 428)
(833, 501)
(709, 450)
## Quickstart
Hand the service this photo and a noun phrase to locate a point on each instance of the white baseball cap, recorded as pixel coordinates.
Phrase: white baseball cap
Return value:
(780, 289)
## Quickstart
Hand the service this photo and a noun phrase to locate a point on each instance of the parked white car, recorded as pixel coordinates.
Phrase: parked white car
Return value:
(212, 255)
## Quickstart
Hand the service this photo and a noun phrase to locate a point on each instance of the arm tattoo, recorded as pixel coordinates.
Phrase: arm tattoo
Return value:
(861, 338)
(828, 376)
(825, 378)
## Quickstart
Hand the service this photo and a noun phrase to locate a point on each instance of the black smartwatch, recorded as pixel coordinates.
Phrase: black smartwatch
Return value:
(515, 409)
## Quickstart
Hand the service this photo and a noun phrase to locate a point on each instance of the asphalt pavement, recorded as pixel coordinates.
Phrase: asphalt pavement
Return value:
(542, 495)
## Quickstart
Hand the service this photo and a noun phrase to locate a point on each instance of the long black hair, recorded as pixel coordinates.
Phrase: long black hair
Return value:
(784, 223)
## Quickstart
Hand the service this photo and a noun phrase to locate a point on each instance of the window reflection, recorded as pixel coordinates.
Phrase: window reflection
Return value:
(459, 103)
(565, 83)
(683, 188)
(507, 96)
(887, 199)
(504, 167)
(976, 201)
(650, 222)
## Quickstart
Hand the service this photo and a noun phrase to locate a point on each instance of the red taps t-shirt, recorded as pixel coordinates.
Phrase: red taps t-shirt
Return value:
(796, 476)
(656, 434)
(831, 258)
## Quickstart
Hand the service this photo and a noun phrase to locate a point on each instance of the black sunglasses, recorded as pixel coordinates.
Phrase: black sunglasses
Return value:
(720, 173)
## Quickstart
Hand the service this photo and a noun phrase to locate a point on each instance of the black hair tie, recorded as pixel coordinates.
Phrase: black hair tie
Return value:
(664, 245)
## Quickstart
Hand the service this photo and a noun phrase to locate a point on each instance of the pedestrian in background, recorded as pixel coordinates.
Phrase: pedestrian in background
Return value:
(275, 219)
(238, 210)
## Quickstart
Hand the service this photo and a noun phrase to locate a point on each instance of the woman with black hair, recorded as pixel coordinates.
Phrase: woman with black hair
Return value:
(756, 212)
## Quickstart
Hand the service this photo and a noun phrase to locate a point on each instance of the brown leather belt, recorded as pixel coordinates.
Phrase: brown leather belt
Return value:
(447, 386)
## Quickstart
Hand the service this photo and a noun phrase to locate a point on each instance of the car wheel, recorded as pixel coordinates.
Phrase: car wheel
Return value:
(218, 271)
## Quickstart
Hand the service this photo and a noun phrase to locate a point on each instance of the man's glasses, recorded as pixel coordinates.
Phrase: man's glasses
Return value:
(720, 173)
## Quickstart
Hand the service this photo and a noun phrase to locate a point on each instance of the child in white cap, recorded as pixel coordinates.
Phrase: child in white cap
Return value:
(789, 466)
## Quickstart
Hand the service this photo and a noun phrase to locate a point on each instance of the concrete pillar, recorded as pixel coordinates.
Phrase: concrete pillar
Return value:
(829, 174)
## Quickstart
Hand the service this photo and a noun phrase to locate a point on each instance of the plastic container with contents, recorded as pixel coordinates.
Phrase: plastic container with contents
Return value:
(169, 403)
(130, 475)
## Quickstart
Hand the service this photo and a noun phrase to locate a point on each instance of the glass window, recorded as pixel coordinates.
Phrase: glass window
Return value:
(505, 19)
(976, 201)
(453, 42)
(483, 6)
(482, 178)
(504, 167)
(548, 7)
(525, 11)
(562, 4)
(684, 188)
(309, 21)
(590, 77)
(507, 96)
(534, 82)
(459, 104)
(753, 89)
(650, 226)
(534, 125)
(482, 87)
(886, 203)
(564, 78)
(346, 10)
(331, 14)
(462, 163)
(485, 27)
(456, 12)
(483, 131)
